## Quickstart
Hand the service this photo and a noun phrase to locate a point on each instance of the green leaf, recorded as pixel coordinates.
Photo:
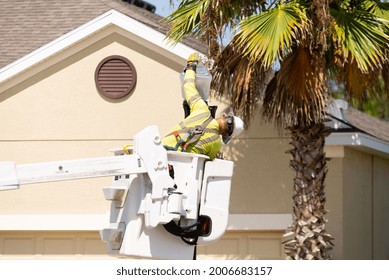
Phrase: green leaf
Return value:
(361, 36)
(267, 35)
(379, 9)
(186, 19)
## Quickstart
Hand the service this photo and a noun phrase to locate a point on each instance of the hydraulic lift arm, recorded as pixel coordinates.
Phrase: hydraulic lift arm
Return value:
(12, 175)
(143, 195)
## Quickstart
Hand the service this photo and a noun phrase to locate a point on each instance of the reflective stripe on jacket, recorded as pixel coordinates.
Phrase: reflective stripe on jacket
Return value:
(209, 143)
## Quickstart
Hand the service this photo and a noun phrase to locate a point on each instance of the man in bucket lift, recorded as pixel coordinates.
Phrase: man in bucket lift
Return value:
(199, 132)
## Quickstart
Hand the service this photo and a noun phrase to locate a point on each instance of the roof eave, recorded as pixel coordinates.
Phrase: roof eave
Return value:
(360, 141)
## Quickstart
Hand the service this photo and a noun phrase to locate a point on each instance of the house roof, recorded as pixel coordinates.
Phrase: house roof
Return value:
(349, 119)
(368, 124)
(28, 25)
(357, 129)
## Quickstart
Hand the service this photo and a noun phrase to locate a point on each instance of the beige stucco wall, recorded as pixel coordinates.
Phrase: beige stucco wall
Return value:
(262, 181)
(63, 103)
(380, 208)
(59, 115)
(357, 205)
(334, 195)
(357, 195)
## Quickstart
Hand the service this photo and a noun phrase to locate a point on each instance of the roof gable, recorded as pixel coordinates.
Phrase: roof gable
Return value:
(30, 29)
(28, 25)
(140, 31)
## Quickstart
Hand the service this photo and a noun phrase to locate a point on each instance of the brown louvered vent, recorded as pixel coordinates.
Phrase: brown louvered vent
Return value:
(115, 77)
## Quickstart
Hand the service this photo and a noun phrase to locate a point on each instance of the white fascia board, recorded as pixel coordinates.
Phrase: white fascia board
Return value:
(358, 140)
(111, 17)
(95, 222)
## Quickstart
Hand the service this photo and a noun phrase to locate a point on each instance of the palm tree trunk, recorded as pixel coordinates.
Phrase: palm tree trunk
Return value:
(307, 237)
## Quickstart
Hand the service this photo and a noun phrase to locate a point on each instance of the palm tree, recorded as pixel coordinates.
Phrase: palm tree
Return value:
(310, 41)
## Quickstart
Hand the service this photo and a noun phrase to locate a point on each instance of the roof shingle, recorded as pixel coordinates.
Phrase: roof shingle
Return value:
(371, 125)
(28, 25)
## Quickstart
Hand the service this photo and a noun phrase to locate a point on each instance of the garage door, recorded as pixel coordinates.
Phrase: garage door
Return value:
(87, 245)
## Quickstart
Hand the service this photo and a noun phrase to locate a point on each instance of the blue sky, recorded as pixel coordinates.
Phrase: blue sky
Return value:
(163, 7)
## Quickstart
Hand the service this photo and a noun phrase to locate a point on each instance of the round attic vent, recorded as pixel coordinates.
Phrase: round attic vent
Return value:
(115, 77)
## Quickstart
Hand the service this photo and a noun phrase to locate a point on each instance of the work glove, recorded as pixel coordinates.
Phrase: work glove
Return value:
(193, 60)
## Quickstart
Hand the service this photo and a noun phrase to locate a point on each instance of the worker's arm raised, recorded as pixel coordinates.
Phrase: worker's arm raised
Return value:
(192, 96)
(191, 93)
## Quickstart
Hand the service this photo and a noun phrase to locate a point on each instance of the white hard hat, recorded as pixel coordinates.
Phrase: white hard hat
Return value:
(236, 126)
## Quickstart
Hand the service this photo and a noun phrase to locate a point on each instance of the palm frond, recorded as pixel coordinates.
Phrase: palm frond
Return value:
(235, 10)
(208, 20)
(358, 84)
(361, 36)
(379, 9)
(267, 35)
(240, 80)
(186, 19)
(297, 93)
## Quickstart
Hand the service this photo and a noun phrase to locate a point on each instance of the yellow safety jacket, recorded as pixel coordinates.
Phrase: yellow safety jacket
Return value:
(208, 141)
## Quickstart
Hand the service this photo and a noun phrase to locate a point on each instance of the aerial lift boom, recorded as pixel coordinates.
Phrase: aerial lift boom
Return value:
(144, 196)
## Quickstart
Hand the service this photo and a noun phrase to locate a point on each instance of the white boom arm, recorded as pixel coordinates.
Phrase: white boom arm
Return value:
(144, 196)
(12, 175)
